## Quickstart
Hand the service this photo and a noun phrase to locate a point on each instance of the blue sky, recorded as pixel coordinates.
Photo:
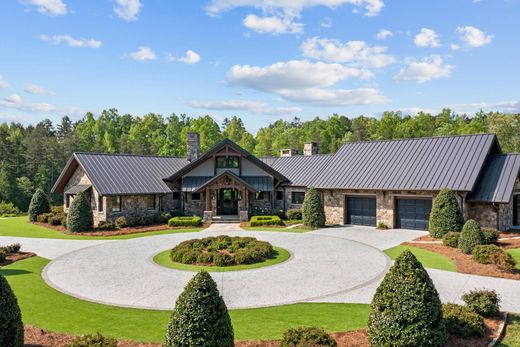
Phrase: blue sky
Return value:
(261, 60)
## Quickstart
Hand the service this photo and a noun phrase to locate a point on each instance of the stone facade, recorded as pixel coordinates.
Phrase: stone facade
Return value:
(194, 207)
(485, 214)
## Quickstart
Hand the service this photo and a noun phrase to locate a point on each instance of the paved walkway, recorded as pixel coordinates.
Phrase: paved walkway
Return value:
(343, 264)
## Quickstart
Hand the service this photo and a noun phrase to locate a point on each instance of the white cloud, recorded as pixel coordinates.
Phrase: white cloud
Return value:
(336, 97)
(273, 24)
(244, 105)
(372, 7)
(474, 37)
(425, 69)
(356, 52)
(143, 54)
(190, 57)
(383, 34)
(127, 9)
(13, 99)
(502, 106)
(36, 90)
(71, 41)
(3, 83)
(50, 7)
(455, 46)
(427, 38)
(326, 22)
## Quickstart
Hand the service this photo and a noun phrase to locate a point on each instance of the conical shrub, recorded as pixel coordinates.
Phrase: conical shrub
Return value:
(200, 317)
(445, 215)
(11, 326)
(313, 212)
(471, 236)
(406, 309)
(80, 216)
(39, 205)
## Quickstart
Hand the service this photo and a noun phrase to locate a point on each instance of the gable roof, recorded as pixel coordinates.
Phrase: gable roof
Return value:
(301, 170)
(411, 164)
(497, 180)
(215, 149)
(122, 174)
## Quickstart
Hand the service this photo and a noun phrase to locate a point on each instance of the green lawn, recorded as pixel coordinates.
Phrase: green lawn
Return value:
(301, 229)
(428, 259)
(19, 226)
(512, 338)
(163, 259)
(44, 307)
(515, 253)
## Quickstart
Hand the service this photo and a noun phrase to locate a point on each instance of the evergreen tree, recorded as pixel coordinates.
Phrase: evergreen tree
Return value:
(406, 309)
(470, 236)
(39, 205)
(11, 326)
(80, 216)
(445, 215)
(200, 317)
(313, 212)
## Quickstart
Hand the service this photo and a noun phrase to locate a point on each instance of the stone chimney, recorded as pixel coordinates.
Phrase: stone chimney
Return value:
(193, 140)
(288, 152)
(310, 148)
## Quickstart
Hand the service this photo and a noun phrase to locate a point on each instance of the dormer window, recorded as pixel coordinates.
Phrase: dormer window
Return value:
(229, 162)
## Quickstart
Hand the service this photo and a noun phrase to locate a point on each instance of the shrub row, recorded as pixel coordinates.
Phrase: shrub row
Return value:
(145, 220)
(257, 221)
(194, 221)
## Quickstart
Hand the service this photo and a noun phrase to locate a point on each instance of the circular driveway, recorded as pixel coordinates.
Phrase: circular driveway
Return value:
(123, 273)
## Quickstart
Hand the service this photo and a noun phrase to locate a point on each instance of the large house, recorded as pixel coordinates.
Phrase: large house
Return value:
(365, 183)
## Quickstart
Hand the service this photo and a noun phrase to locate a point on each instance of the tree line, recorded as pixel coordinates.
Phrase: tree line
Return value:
(33, 156)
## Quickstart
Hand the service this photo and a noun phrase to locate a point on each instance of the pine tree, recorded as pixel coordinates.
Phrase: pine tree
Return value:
(313, 212)
(11, 326)
(200, 317)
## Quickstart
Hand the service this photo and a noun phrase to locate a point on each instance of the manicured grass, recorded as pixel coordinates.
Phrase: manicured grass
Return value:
(512, 338)
(44, 307)
(163, 259)
(285, 229)
(19, 226)
(515, 253)
(428, 259)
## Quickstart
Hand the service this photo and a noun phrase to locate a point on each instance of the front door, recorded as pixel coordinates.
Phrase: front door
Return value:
(227, 202)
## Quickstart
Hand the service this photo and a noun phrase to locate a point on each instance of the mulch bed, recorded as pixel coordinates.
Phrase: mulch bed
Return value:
(11, 258)
(124, 231)
(35, 337)
(464, 262)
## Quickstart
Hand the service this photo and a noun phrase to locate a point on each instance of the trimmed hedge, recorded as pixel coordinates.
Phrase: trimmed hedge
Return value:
(39, 205)
(11, 325)
(313, 212)
(470, 236)
(258, 221)
(406, 309)
(490, 236)
(484, 302)
(295, 214)
(451, 239)
(461, 321)
(221, 251)
(445, 215)
(185, 221)
(97, 340)
(307, 336)
(200, 317)
(80, 216)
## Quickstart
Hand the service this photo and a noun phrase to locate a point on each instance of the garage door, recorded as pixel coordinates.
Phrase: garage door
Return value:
(361, 210)
(413, 213)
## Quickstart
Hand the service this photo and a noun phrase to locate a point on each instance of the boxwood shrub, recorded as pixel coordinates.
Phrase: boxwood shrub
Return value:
(470, 236)
(200, 316)
(483, 253)
(484, 302)
(44, 217)
(451, 239)
(307, 336)
(461, 321)
(39, 205)
(194, 221)
(97, 340)
(11, 326)
(294, 214)
(406, 309)
(445, 215)
(490, 235)
(258, 221)
(504, 261)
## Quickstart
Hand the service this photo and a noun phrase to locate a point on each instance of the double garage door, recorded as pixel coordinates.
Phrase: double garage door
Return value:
(409, 213)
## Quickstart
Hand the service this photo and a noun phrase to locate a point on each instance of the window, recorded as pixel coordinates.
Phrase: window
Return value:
(227, 162)
(100, 204)
(279, 195)
(116, 203)
(297, 197)
(176, 195)
(150, 202)
(263, 196)
(195, 196)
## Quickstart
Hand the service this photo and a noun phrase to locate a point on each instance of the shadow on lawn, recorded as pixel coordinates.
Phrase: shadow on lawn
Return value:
(13, 272)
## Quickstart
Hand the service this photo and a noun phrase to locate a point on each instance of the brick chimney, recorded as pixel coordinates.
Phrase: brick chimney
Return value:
(310, 148)
(193, 140)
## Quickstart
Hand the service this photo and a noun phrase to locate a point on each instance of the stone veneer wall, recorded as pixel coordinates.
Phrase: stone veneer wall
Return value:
(194, 207)
(131, 206)
(485, 214)
(264, 204)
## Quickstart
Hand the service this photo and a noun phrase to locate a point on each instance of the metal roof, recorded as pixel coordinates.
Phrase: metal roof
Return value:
(123, 174)
(301, 170)
(78, 189)
(192, 183)
(410, 164)
(497, 180)
(260, 183)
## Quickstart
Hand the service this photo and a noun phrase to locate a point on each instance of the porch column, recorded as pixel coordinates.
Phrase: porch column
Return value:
(208, 199)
